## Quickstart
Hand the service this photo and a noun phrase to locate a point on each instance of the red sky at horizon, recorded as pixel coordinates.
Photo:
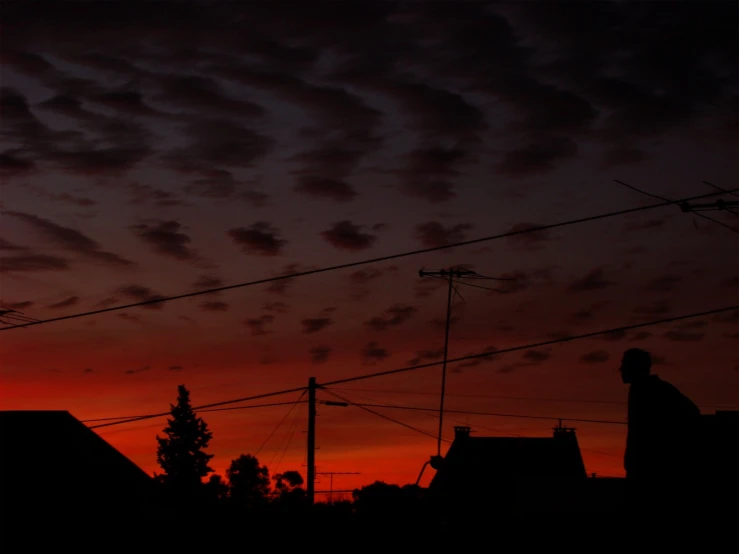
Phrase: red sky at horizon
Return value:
(148, 152)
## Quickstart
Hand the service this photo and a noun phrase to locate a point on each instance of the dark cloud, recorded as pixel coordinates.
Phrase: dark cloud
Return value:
(582, 315)
(128, 102)
(426, 356)
(537, 156)
(426, 287)
(146, 194)
(205, 282)
(646, 225)
(258, 325)
(319, 354)
(348, 236)
(325, 187)
(436, 111)
(166, 239)
(32, 262)
(518, 281)
(536, 356)
(699, 324)
(140, 293)
(19, 305)
(364, 276)
(595, 357)
(139, 370)
(665, 283)
(313, 325)
(204, 95)
(732, 282)
(209, 182)
(214, 306)
(66, 198)
(66, 303)
(29, 63)
(175, 368)
(72, 240)
(488, 355)
(440, 322)
(641, 335)
(731, 317)
(657, 308)
(392, 317)
(220, 143)
(332, 161)
(683, 336)
(614, 336)
(372, 353)
(527, 239)
(275, 307)
(433, 233)
(12, 165)
(260, 239)
(622, 156)
(594, 280)
(429, 173)
(280, 286)
(88, 371)
(129, 317)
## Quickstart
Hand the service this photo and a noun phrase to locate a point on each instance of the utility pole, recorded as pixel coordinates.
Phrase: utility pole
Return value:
(311, 457)
(445, 274)
(331, 481)
(311, 440)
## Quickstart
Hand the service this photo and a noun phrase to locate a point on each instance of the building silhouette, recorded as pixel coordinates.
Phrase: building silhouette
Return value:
(53, 468)
(508, 476)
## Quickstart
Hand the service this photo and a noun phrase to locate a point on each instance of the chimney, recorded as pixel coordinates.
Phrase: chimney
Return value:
(562, 432)
(461, 432)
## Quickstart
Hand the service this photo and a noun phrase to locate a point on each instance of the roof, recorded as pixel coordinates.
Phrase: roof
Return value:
(50, 456)
(498, 462)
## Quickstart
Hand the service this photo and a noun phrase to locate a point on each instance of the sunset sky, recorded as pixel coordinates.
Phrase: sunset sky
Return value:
(155, 149)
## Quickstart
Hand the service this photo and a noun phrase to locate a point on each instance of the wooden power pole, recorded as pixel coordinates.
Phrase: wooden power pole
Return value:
(449, 274)
(311, 440)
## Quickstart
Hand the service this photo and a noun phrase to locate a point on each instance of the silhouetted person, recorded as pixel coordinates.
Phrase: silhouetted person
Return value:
(661, 446)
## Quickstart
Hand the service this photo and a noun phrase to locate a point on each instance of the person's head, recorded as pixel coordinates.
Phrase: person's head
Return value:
(635, 365)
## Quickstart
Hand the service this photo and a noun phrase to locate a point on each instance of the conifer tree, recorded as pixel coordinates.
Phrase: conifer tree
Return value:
(181, 453)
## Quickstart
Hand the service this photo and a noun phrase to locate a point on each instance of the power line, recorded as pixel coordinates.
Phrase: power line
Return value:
(471, 412)
(202, 411)
(200, 408)
(528, 346)
(289, 411)
(432, 364)
(365, 262)
(502, 397)
(287, 444)
(366, 408)
(721, 189)
(680, 203)
(719, 201)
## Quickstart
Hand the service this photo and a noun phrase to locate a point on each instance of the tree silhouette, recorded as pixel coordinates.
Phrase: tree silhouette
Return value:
(288, 481)
(217, 487)
(249, 482)
(292, 496)
(383, 499)
(181, 453)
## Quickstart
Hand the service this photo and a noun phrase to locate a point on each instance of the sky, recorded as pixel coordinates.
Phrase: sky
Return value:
(157, 149)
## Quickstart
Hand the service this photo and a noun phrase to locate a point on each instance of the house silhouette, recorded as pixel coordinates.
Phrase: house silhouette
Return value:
(505, 476)
(54, 468)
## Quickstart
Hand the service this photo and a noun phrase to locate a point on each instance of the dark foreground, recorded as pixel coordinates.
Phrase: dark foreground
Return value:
(346, 534)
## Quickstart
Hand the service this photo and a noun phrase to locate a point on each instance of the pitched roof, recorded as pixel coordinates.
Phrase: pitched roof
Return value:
(496, 461)
(52, 457)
